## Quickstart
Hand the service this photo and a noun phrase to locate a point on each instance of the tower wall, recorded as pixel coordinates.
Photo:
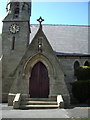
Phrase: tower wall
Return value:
(15, 39)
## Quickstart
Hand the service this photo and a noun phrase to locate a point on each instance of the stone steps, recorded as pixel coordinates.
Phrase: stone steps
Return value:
(38, 103)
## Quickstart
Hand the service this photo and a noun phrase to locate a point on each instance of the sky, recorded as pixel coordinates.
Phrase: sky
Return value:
(66, 13)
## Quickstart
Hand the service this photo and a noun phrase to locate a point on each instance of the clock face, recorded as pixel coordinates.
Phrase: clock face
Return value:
(14, 28)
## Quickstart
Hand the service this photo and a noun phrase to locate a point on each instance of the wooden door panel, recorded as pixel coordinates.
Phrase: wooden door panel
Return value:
(39, 81)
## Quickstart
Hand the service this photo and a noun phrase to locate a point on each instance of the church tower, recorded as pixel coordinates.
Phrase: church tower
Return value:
(15, 40)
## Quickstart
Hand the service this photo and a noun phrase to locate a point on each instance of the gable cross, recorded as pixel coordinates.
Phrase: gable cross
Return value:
(40, 20)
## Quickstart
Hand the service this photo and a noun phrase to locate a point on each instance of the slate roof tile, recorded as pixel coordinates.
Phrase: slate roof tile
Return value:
(65, 38)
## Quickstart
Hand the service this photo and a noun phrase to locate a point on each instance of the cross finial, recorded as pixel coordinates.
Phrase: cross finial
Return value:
(40, 20)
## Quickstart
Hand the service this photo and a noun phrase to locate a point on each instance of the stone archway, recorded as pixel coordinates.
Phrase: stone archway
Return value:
(31, 63)
(86, 63)
(39, 81)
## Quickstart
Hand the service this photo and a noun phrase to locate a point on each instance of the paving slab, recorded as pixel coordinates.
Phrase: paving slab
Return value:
(75, 112)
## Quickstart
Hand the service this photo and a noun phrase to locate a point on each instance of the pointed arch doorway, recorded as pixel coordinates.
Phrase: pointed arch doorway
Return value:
(39, 81)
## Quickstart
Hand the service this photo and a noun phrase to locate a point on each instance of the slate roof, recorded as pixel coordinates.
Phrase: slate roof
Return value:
(65, 38)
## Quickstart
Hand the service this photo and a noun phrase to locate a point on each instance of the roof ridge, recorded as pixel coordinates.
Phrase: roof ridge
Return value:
(63, 25)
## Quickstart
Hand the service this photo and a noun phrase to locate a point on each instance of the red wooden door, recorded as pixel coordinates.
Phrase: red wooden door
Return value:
(39, 81)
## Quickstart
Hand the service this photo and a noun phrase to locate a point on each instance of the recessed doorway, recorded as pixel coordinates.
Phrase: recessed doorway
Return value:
(39, 81)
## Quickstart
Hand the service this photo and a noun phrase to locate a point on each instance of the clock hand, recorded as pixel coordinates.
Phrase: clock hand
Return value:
(14, 27)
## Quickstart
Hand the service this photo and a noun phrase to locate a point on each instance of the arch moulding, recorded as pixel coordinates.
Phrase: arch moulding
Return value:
(32, 61)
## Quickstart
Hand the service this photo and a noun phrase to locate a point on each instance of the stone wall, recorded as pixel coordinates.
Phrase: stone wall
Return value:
(11, 58)
(67, 64)
(0, 69)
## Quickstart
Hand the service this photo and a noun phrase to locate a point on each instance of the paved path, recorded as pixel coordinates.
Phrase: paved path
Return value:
(76, 112)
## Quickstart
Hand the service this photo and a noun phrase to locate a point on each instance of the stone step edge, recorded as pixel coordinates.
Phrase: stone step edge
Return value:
(38, 103)
(38, 106)
(39, 99)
